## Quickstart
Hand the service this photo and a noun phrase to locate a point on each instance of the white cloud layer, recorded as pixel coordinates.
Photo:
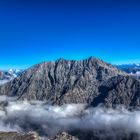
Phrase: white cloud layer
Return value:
(48, 120)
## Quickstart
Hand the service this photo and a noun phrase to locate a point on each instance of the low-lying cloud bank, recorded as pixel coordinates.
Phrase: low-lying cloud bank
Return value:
(24, 116)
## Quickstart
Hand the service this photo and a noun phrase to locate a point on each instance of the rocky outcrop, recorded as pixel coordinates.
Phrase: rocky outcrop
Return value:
(18, 136)
(64, 136)
(90, 135)
(62, 81)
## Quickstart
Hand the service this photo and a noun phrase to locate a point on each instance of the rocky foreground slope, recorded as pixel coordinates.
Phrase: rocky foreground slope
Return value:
(33, 136)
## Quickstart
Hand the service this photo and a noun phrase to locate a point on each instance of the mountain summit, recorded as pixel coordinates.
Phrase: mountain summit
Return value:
(67, 81)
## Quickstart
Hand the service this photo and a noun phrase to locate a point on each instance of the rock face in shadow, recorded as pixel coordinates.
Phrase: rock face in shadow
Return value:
(119, 90)
(62, 81)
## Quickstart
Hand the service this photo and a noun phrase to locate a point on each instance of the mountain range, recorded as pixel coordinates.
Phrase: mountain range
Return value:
(8, 75)
(90, 81)
(133, 69)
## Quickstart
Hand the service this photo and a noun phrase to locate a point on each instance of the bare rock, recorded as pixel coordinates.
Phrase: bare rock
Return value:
(119, 90)
(62, 81)
(18, 136)
(64, 136)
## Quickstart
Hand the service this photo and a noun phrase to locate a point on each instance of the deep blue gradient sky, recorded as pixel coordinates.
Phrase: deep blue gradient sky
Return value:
(32, 31)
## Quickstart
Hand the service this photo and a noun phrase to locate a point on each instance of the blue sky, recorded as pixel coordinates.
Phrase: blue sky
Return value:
(32, 31)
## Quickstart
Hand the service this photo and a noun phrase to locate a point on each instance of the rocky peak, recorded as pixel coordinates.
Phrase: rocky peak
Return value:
(64, 136)
(61, 81)
(18, 136)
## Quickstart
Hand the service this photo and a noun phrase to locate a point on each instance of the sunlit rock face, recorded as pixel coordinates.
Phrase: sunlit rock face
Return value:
(62, 81)
(90, 81)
